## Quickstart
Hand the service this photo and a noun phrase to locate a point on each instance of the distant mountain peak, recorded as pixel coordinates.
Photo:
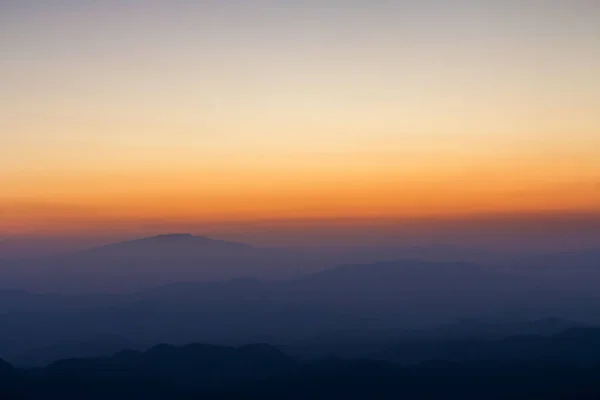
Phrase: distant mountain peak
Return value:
(174, 235)
(174, 245)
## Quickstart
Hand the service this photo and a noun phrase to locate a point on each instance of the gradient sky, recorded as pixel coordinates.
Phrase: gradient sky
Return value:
(117, 112)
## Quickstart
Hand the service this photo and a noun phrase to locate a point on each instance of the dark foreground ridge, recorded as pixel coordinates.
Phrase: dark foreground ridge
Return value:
(566, 365)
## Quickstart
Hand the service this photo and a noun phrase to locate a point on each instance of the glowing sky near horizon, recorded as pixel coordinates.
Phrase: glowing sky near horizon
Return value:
(113, 112)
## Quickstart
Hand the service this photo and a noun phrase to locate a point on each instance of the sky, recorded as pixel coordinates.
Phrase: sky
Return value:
(153, 115)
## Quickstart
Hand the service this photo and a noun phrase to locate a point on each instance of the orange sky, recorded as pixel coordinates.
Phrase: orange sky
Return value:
(168, 111)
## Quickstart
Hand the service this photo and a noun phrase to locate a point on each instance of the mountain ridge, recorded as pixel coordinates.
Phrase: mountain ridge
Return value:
(175, 245)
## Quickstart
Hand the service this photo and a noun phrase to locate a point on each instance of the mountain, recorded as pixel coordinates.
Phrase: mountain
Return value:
(168, 259)
(9, 381)
(97, 347)
(408, 290)
(573, 259)
(15, 301)
(7, 371)
(366, 342)
(576, 271)
(190, 366)
(148, 262)
(403, 295)
(482, 329)
(573, 345)
(172, 247)
(562, 366)
(423, 291)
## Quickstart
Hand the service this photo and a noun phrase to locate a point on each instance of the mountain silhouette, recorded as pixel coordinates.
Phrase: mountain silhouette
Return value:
(579, 345)
(421, 289)
(192, 365)
(396, 296)
(148, 262)
(7, 371)
(173, 246)
(561, 366)
(8, 381)
(96, 347)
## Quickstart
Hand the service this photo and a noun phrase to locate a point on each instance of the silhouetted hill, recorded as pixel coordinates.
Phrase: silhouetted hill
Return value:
(174, 246)
(422, 291)
(148, 262)
(573, 259)
(9, 381)
(393, 295)
(7, 371)
(363, 342)
(481, 329)
(13, 301)
(564, 366)
(574, 271)
(404, 295)
(165, 259)
(97, 347)
(192, 366)
(575, 345)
